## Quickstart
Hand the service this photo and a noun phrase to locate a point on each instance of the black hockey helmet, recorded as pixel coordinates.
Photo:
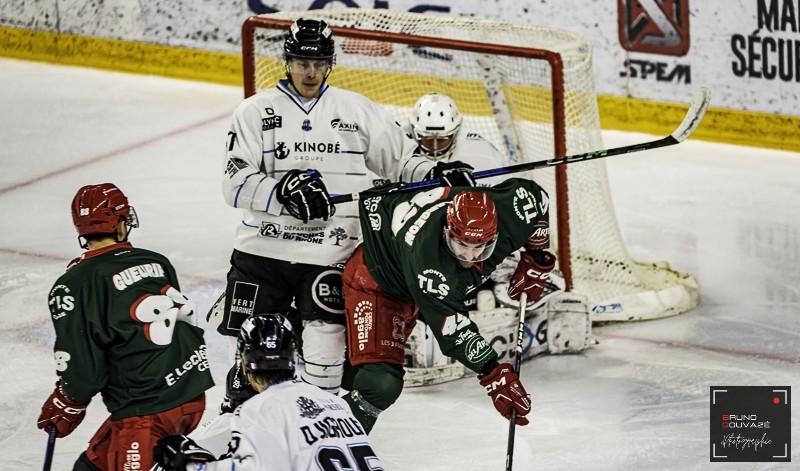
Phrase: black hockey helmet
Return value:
(266, 343)
(309, 39)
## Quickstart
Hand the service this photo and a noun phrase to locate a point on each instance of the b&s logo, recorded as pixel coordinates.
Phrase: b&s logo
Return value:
(657, 27)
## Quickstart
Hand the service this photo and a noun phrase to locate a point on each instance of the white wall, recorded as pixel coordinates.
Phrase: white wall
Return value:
(734, 45)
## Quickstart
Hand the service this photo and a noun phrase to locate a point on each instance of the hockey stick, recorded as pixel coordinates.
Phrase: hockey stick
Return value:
(51, 445)
(523, 303)
(694, 115)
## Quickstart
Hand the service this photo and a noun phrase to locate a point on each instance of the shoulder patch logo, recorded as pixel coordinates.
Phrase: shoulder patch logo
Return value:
(308, 408)
(524, 205)
(338, 125)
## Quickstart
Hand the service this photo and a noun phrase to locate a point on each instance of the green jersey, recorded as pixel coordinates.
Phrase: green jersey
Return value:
(405, 253)
(123, 329)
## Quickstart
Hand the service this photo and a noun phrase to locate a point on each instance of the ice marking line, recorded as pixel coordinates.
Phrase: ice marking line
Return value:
(705, 348)
(113, 153)
(33, 254)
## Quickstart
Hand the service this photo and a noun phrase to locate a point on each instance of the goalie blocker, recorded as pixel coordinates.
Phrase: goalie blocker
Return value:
(557, 323)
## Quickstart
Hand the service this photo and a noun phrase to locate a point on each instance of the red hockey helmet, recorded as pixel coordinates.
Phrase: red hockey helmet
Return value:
(471, 231)
(96, 209)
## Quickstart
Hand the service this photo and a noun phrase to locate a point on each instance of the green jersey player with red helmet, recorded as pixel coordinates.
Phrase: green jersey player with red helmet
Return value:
(124, 330)
(422, 253)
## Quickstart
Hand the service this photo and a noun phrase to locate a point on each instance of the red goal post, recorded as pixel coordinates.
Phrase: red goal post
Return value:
(527, 89)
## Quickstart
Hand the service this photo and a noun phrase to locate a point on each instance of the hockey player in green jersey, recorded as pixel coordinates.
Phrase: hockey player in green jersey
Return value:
(124, 330)
(422, 253)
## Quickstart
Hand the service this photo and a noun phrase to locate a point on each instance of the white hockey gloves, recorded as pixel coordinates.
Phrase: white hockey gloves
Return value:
(569, 328)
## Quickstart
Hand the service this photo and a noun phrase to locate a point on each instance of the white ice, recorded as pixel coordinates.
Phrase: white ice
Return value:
(637, 401)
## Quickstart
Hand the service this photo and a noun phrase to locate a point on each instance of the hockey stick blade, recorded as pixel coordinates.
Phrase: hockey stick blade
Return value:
(697, 109)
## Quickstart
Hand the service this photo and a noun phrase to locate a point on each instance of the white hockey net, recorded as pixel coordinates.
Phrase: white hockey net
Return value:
(527, 89)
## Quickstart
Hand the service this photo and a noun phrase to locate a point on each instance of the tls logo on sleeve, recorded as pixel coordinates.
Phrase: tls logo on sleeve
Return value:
(657, 27)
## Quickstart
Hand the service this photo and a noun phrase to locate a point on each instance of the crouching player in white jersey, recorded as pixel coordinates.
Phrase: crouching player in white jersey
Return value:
(288, 425)
(290, 247)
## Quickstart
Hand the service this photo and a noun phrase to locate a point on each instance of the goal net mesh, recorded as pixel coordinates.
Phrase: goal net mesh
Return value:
(527, 89)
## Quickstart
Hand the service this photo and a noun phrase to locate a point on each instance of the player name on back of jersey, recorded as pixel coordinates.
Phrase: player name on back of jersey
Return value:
(131, 275)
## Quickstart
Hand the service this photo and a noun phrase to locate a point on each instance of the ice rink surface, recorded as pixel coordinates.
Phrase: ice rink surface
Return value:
(639, 400)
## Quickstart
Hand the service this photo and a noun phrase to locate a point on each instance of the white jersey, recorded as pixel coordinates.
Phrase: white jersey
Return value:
(295, 426)
(471, 148)
(341, 134)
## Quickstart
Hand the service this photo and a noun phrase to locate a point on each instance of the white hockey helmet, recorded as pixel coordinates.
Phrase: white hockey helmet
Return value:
(435, 121)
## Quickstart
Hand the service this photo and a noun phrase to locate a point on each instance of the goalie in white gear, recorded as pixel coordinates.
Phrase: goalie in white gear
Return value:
(436, 125)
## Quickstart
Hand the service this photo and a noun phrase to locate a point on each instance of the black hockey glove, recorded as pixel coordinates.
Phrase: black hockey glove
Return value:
(455, 173)
(237, 389)
(304, 195)
(173, 452)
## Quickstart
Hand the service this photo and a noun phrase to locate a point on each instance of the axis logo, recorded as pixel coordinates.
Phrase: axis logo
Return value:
(654, 26)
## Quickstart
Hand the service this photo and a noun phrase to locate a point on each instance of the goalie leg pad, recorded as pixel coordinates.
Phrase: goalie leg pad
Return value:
(425, 363)
(323, 355)
(568, 326)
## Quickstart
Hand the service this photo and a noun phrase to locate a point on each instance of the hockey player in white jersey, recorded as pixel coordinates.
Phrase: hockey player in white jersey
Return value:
(436, 125)
(288, 425)
(287, 148)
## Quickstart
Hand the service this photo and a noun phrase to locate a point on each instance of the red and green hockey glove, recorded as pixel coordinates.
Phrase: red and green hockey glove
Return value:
(531, 274)
(507, 393)
(62, 412)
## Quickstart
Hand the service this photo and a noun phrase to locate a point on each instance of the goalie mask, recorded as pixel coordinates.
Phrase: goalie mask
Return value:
(471, 230)
(97, 209)
(266, 343)
(309, 39)
(435, 121)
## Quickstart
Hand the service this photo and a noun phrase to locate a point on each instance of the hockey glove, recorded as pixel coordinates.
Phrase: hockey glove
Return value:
(531, 274)
(507, 393)
(237, 389)
(453, 173)
(62, 412)
(304, 195)
(173, 452)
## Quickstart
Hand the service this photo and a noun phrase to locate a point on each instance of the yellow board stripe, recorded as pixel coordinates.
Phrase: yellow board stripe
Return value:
(625, 114)
(123, 56)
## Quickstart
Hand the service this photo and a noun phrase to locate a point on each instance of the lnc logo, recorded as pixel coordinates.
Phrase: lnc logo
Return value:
(654, 26)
